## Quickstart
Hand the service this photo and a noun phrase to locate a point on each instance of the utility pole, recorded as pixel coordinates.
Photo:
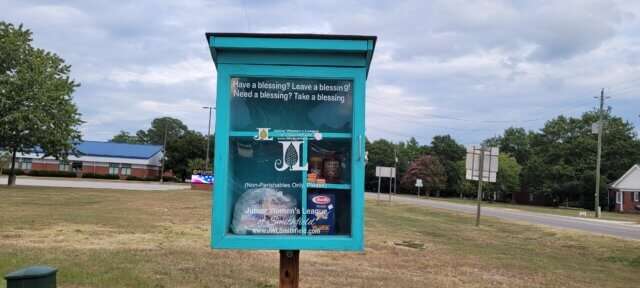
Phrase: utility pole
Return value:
(164, 153)
(600, 129)
(395, 171)
(480, 178)
(208, 136)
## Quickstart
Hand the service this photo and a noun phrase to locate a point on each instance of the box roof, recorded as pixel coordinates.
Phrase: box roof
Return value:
(293, 43)
(292, 36)
(120, 150)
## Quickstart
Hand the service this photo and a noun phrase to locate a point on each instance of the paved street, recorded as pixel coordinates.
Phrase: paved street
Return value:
(93, 183)
(613, 228)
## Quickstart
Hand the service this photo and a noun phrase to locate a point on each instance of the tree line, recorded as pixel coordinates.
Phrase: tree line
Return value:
(555, 164)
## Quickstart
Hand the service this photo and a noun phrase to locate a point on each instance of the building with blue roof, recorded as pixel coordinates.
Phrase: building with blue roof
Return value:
(104, 158)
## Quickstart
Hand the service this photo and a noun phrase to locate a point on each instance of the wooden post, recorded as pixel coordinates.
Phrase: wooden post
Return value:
(289, 266)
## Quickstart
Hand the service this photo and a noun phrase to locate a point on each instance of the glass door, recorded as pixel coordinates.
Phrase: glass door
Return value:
(289, 165)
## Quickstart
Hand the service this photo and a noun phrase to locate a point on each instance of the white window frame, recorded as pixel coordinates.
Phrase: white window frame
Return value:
(64, 166)
(125, 169)
(26, 164)
(635, 196)
(115, 166)
(619, 196)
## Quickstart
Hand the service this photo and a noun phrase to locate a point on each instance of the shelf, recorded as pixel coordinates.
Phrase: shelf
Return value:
(292, 134)
(329, 186)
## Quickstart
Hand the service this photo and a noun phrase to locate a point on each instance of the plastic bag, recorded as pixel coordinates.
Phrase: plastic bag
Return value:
(265, 211)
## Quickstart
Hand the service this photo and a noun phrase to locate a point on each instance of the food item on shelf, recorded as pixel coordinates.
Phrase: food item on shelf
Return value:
(315, 165)
(265, 211)
(331, 169)
(321, 213)
(321, 181)
(312, 177)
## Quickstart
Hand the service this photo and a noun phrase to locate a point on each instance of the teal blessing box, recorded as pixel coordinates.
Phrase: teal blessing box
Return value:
(290, 139)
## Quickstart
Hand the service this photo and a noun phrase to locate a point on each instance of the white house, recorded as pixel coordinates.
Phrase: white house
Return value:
(626, 191)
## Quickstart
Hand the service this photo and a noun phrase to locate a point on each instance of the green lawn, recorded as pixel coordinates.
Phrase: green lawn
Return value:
(630, 217)
(111, 238)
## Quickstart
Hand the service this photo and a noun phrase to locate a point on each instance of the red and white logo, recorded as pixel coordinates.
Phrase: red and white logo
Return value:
(321, 200)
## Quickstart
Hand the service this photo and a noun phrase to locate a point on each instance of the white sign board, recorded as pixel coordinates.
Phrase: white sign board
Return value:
(489, 167)
(385, 172)
(419, 183)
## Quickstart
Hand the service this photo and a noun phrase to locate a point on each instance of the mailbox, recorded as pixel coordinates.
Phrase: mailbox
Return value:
(290, 139)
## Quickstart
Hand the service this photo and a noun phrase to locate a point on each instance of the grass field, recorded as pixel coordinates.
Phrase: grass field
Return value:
(112, 238)
(630, 217)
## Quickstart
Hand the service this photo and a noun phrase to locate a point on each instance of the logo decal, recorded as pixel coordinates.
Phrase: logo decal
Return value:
(290, 157)
(321, 200)
(263, 134)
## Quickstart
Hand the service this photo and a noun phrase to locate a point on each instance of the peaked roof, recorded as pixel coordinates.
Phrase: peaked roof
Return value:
(121, 150)
(629, 181)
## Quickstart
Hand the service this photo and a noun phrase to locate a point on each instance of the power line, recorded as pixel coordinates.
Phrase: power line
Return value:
(630, 89)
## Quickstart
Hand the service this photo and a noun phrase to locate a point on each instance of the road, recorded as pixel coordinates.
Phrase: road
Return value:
(620, 229)
(93, 183)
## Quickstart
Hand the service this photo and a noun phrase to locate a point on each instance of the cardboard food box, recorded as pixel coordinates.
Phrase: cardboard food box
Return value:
(321, 213)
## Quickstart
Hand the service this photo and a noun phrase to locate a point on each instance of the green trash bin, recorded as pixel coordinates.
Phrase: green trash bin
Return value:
(32, 277)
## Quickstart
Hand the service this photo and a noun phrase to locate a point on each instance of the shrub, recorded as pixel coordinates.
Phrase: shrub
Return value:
(45, 173)
(100, 176)
(149, 178)
(18, 172)
(131, 177)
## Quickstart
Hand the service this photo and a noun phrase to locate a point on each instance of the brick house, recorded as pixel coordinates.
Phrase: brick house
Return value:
(139, 160)
(626, 191)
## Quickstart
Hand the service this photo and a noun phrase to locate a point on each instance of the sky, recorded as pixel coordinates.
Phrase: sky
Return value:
(469, 69)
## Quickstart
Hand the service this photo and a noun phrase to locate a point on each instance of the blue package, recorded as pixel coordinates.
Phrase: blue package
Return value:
(321, 214)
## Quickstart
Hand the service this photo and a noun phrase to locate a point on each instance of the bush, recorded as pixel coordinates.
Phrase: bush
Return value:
(135, 178)
(18, 172)
(45, 173)
(169, 179)
(100, 176)
(149, 178)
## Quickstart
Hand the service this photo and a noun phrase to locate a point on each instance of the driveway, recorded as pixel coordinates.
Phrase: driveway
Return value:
(94, 183)
(627, 230)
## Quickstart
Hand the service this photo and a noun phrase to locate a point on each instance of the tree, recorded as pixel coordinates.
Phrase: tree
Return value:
(196, 164)
(449, 152)
(155, 135)
(188, 146)
(36, 104)
(508, 177)
(379, 153)
(563, 155)
(125, 137)
(515, 142)
(430, 170)
(407, 152)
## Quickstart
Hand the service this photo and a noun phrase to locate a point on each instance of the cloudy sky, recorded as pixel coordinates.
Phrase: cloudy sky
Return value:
(469, 69)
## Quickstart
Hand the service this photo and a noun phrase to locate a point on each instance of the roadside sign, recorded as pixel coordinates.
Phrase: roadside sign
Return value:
(385, 172)
(489, 167)
(419, 183)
